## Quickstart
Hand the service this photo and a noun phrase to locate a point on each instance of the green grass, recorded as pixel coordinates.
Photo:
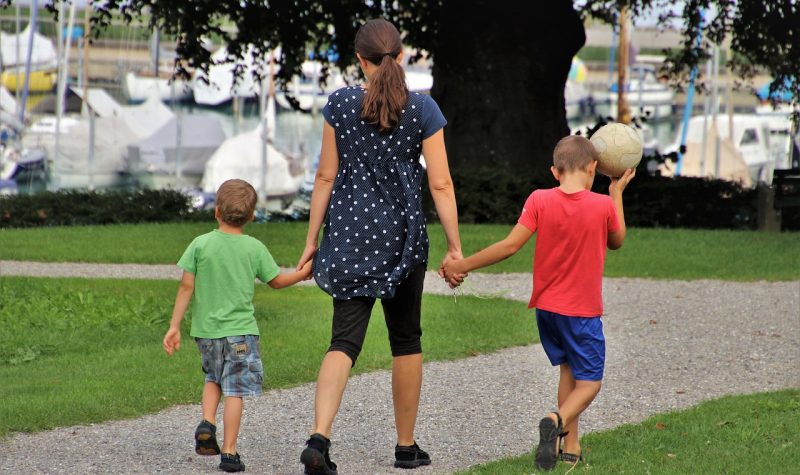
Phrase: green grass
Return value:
(75, 351)
(740, 434)
(650, 253)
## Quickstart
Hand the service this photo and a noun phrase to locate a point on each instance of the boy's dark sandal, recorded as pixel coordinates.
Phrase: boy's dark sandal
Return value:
(410, 456)
(571, 458)
(205, 438)
(547, 450)
(316, 456)
(231, 463)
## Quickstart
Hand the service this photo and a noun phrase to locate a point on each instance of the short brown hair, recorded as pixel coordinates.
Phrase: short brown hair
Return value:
(573, 152)
(236, 200)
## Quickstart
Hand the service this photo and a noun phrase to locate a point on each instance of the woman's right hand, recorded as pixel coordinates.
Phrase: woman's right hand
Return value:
(308, 254)
(452, 280)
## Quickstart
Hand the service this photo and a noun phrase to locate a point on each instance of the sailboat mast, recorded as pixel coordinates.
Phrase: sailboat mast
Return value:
(29, 57)
(87, 29)
(687, 108)
(715, 105)
(16, 60)
(267, 96)
(157, 52)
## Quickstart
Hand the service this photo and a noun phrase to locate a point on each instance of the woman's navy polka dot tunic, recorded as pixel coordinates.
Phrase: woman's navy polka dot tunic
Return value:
(375, 232)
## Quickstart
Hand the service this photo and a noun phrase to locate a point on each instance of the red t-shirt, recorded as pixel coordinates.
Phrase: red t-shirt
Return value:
(571, 237)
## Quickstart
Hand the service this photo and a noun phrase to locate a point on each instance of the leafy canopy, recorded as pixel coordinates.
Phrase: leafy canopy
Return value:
(762, 33)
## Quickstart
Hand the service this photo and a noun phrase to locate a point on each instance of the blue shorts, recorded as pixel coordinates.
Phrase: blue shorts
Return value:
(577, 341)
(234, 363)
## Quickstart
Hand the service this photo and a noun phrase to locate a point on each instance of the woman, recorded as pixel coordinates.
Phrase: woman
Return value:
(374, 244)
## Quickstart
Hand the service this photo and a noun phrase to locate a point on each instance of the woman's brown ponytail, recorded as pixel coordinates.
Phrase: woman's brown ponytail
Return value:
(378, 41)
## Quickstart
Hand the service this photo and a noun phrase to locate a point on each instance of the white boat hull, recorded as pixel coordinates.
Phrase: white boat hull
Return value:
(308, 94)
(653, 104)
(159, 181)
(646, 95)
(82, 180)
(140, 88)
(305, 101)
(219, 86)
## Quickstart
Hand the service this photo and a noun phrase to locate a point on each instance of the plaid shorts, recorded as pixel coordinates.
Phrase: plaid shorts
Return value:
(233, 362)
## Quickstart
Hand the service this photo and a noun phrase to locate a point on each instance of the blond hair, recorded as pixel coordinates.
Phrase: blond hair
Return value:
(236, 200)
(573, 153)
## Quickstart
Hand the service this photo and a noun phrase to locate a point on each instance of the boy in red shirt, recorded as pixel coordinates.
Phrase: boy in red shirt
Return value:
(574, 226)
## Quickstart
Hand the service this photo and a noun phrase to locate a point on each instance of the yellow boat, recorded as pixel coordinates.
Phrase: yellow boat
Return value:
(40, 81)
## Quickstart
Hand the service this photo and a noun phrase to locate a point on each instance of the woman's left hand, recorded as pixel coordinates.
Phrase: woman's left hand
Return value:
(308, 254)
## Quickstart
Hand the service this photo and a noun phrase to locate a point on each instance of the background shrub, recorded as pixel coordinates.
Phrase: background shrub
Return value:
(490, 195)
(495, 195)
(68, 208)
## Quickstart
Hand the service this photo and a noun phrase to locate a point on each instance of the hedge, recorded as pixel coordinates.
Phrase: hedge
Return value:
(69, 208)
(484, 196)
(496, 196)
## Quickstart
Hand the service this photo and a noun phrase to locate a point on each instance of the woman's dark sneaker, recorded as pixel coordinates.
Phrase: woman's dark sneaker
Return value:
(205, 439)
(316, 456)
(410, 456)
(231, 463)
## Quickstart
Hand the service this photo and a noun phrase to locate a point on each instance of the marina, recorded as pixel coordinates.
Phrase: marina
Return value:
(125, 122)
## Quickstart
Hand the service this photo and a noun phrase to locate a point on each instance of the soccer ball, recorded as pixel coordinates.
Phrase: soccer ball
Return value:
(619, 147)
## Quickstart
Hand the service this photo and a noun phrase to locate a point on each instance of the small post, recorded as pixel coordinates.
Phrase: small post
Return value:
(767, 219)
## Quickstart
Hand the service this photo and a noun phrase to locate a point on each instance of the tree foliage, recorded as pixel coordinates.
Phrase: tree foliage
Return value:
(762, 33)
(499, 65)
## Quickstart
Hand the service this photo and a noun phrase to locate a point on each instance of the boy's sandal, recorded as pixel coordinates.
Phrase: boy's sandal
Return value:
(205, 436)
(571, 458)
(549, 438)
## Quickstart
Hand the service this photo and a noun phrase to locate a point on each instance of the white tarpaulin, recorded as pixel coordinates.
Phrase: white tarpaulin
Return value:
(147, 118)
(44, 52)
(115, 128)
(201, 135)
(240, 157)
(111, 136)
(732, 166)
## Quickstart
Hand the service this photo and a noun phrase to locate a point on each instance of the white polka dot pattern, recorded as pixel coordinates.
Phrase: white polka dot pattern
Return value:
(375, 231)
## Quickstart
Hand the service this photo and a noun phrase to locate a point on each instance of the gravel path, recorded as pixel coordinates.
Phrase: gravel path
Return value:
(671, 345)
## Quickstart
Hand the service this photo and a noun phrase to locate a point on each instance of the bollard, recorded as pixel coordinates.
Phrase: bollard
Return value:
(768, 217)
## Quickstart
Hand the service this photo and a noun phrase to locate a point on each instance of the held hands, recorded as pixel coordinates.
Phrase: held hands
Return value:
(307, 256)
(450, 270)
(305, 270)
(618, 185)
(172, 340)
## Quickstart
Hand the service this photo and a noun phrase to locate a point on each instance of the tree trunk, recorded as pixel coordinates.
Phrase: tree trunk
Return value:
(499, 72)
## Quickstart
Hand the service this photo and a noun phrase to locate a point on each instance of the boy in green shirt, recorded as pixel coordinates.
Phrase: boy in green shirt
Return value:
(219, 270)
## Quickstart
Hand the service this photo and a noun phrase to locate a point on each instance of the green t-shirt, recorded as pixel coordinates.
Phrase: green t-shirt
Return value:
(225, 267)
